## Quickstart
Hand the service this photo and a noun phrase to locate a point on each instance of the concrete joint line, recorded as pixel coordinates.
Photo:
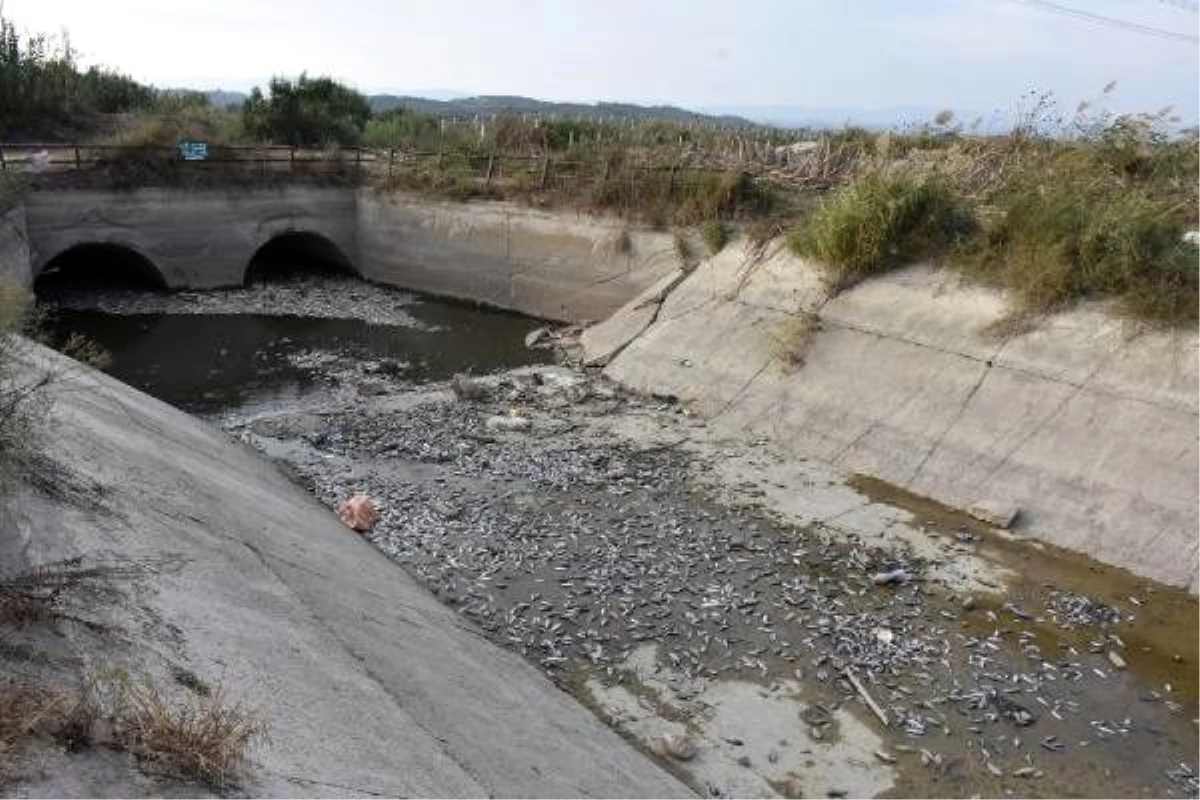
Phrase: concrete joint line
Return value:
(311, 782)
(958, 415)
(332, 632)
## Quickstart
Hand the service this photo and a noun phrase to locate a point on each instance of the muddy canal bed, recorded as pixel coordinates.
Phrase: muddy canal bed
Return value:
(759, 624)
(641, 565)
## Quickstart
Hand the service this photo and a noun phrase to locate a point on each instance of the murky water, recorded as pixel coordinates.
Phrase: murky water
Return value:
(212, 362)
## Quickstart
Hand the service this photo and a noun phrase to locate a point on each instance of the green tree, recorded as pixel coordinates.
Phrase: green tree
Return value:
(308, 112)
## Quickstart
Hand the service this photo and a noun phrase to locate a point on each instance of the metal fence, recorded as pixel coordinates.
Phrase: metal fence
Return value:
(541, 170)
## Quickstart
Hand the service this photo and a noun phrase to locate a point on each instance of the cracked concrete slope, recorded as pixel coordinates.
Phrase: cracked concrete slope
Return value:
(1086, 424)
(367, 684)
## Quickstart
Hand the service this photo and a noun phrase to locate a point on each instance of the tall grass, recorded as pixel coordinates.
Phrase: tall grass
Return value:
(1064, 235)
(881, 221)
(1091, 207)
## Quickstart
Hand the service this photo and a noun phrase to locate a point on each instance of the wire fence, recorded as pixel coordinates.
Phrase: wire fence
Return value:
(815, 165)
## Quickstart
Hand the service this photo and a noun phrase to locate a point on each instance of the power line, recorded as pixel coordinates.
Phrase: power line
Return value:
(1110, 21)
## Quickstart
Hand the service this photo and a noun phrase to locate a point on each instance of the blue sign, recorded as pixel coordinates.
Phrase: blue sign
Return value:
(192, 150)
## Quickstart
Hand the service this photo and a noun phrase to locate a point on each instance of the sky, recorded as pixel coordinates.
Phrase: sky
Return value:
(976, 55)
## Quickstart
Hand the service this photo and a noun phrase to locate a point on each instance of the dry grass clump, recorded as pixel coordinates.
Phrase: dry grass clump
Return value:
(30, 711)
(204, 738)
(50, 591)
(23, 403)
(794, 339)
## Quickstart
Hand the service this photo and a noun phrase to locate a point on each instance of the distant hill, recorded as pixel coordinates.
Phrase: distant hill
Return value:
(462, 106)
(221, 98)
(511, 104)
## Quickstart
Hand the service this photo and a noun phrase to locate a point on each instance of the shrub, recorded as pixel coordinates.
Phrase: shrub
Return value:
(308, 112)
(203, 738)
(879, 222)
(722, 196)
(42, 90)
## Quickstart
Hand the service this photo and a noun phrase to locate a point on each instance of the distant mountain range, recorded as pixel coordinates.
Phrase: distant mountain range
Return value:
(447, 103)
(513, 104)
(463, 106)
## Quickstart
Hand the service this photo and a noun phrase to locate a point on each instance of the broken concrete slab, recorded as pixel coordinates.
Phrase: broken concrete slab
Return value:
(603, 341)
(994, 512)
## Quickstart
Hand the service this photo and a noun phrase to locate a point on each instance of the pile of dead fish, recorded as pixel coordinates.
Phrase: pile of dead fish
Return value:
(573, 551)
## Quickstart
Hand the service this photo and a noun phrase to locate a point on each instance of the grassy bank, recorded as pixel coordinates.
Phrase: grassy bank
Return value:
(1061, 208)
(1095, 212)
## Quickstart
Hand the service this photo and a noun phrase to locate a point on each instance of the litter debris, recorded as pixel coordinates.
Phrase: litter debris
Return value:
(891, 578)
(508, 422)
(359, 513)
(679, 746)
(466, 388)
(870, 701)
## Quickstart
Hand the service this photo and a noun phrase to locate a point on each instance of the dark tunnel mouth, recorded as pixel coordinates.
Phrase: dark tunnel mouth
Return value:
(95, 266)
(295, 254)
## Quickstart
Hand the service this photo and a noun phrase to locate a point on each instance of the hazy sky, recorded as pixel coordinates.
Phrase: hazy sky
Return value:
(975, 54)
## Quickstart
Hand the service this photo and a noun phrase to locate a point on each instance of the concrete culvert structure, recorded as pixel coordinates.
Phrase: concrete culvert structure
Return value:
(97, 265)
(298, 253)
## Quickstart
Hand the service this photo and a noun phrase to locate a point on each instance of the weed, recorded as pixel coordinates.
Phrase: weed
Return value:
(715, 235)
(23, 401)
(30, 710)
(794, 339)
(683, 249)
(204, 738)
(49, 591)
(621, 244)
(1077, 233)
(881, 221)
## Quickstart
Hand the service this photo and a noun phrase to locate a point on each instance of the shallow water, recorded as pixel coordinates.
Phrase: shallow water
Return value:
(217, 362)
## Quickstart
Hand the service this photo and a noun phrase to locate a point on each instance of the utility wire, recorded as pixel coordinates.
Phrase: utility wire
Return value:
(1110, 21)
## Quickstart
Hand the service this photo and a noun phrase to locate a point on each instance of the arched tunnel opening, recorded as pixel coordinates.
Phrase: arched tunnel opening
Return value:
(297, 253)
(95, 266)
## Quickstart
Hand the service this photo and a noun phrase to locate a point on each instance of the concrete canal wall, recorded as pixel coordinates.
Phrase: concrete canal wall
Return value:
(1086, 424)
(565, 267)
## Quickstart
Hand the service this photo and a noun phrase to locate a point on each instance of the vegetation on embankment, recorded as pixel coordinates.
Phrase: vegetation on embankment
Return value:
(1060, 208)
(1095, 211)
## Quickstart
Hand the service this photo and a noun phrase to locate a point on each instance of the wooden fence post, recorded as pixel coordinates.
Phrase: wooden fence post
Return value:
(391, 160)
(545, 170)
(491, 164)
(292, 159)
(3, 163)
(78, 159)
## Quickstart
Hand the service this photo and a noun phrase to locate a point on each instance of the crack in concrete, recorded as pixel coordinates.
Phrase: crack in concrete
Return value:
(311, 782)
(1037, 428)
(331, 631)
(958, 415)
